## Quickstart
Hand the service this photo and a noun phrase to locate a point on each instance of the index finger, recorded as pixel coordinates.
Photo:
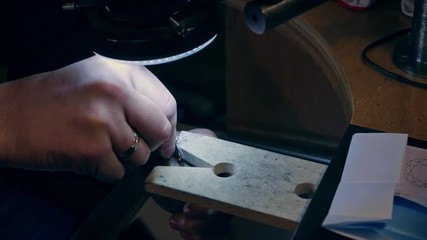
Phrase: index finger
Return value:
(147, 84)
(148, 120)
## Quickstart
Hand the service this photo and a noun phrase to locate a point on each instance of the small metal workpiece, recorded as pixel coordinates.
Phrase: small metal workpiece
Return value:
(178, 156)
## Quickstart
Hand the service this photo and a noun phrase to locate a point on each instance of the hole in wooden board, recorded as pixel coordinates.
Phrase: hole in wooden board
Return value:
(224, 169)
(305, 190)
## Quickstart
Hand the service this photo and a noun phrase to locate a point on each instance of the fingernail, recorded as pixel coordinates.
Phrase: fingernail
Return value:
(187, 207)
(166, 153)
(167, 148)
(174, 222)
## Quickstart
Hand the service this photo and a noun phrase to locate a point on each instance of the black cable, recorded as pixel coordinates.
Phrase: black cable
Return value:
(369, 62)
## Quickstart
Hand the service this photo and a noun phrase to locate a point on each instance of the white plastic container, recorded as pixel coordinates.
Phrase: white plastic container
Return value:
(407, 7)
(356, 4)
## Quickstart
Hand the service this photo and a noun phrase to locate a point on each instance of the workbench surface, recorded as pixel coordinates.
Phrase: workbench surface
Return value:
(379, 102)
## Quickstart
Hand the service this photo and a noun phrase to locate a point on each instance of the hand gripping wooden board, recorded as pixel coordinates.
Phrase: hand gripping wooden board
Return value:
(240, 180)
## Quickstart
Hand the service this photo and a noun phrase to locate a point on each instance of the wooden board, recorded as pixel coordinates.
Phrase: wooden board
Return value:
(262, 185)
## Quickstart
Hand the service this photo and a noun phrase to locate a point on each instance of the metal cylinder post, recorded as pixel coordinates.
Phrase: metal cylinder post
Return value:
(410, 54)
(262, 15)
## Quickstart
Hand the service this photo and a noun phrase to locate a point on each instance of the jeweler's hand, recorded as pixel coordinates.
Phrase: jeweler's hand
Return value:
(196, 222)
(200, 223)
(80, 117)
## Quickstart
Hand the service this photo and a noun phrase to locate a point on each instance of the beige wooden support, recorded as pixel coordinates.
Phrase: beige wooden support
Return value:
(244, 181)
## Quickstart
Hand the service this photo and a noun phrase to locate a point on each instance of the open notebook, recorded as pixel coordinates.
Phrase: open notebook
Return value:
(383, 190)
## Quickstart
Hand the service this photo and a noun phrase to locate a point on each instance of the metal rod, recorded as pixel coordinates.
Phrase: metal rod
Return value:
(262, 15)
(410, 54)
